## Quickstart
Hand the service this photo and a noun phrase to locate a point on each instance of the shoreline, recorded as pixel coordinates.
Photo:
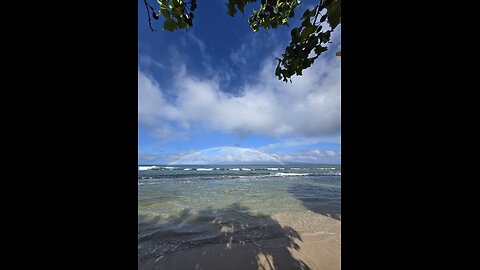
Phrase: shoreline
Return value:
(313, 253)
(317, 246)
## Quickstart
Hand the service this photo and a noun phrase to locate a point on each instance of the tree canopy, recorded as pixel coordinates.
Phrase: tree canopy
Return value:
(308, 42)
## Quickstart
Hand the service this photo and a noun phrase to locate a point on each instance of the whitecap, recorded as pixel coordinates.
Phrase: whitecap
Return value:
(146, 168)
(291, 174)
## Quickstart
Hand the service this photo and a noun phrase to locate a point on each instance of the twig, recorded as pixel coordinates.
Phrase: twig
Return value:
(318, 11)
(148, 13)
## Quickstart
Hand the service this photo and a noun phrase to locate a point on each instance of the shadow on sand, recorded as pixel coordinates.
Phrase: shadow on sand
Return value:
(322, 200)
(227, 238)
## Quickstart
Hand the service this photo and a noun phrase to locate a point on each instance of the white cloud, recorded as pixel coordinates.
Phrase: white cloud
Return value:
(310, 106)
(201, 46)
(301, 141)
(249, 49)
(330, 153)
(238, 155)
(227, 155)
(149, 62)
(166, 133)
(153, 108)
(239, 56)
(310, 156)
(155, 158)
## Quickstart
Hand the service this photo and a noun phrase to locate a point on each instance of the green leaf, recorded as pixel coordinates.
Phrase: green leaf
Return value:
(266, 22)
(180, 9)
(162, 3)
(306, 22)
(231, 8)
(320, 49)
(270, 14)
(182, 24)
(325, 36)
(305, 14)
(312, 42)
(309, 13)
(323, 18)
(295, 33)
(165, 13)
(307, 31)
(174, 12)
(169, 25)
(273, 22)
(334, 13)
(291, 14)
(240, 5)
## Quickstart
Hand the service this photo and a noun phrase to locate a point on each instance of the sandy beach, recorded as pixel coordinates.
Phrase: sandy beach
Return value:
(314, 243)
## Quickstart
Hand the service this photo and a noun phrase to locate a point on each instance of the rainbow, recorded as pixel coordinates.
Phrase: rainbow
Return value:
(263, 154)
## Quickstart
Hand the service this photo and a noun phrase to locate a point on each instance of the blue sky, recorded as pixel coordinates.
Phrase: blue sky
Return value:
(214, 86)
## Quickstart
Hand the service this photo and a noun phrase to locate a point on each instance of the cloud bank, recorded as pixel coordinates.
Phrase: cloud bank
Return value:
(310, 106)
(234, 155)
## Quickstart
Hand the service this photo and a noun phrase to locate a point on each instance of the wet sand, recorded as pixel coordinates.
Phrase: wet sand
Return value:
(317, 246)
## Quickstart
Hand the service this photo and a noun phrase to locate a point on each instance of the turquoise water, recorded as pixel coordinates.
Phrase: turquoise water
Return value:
(180, 207)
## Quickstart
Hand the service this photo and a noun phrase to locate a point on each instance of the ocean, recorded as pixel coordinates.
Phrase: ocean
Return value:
(183, 207)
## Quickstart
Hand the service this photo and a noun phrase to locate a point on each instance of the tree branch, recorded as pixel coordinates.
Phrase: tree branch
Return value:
(148, 13)
(318, 11)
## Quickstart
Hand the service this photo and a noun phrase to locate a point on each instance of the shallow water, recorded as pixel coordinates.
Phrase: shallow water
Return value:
(180, 207)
